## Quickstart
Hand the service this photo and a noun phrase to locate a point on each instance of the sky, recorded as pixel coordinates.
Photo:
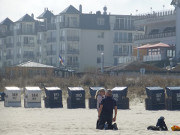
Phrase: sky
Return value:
(15, 9)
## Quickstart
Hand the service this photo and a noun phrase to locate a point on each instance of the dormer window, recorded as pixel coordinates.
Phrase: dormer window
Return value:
(100, 21)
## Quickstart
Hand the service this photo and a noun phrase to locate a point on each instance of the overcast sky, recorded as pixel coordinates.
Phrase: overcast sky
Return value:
(15, 9)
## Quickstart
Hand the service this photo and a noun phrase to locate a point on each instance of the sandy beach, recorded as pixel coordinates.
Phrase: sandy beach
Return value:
(63, 121)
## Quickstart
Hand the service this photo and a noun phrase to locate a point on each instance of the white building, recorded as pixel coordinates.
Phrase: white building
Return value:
(79, 38)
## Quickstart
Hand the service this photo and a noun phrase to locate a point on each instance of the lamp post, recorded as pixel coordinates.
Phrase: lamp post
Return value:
(176, 4)
(102, 62)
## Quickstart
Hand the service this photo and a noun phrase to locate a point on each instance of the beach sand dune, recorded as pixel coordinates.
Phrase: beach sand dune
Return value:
(63, 121)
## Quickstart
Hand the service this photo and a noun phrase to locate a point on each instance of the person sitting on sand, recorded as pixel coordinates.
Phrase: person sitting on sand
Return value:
(100, 94)
(160, 126)
(105, 113)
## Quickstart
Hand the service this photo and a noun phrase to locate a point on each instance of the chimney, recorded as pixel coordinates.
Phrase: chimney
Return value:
(80, 8)
(32, 15)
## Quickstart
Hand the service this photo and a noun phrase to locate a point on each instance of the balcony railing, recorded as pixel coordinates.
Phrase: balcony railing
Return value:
(122, 41)
(117, 27)
(18, 55)
(7, 33)
(29, 45)
(62, 38)
(52, 40)
(74, 64)
(39, 41)
(73, 51)
(38, 54)
(9, 57)
(120, 54)
(62, 52)
(20, 32)
(153, 58)
(51, 53)
(18, 43)
(160, 35)
(72, 38)
(156, 14)
(9, 45)
(51, 26)
(28, 56)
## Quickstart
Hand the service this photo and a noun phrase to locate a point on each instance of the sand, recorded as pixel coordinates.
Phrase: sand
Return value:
(63, 121)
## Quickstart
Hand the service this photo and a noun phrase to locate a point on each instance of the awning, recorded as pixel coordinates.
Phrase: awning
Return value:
(149, 46)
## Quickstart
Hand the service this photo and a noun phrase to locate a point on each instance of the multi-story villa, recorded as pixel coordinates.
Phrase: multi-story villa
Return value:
(80, 39)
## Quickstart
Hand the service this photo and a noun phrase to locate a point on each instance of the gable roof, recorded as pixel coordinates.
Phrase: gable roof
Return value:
(46, 14)
(26, 18)
(34, 64)
(6, 21)
(70, 10)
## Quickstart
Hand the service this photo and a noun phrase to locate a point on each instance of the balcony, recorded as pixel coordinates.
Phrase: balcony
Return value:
(51, 40)
(39, 41)
(160, 35)
(51, 26)
(38, 54)
(29, 45)
(156, 14)
(122, 41)
(117, 27)
(62, 38)
(7, 33)
(152, 58)
(20, 32)
(28, 56)
(74, 51)
(120, 54)
(8, 57)
(61, 51)
(18, 55)
(68, 25)
(74, 64)
(51, 53)
(9, 45)
(72, 38)
(18, 43)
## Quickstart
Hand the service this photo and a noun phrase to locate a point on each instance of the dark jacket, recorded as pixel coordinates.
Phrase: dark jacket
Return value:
(161, 124)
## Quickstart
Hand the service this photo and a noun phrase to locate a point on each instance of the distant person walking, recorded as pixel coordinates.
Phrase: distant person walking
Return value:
(105, 113)
(100, 95)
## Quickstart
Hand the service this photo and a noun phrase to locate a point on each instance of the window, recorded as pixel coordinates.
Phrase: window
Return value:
(98, 60)
(25, 40)
(100, 34)
(73, 21)
(100, 21)
(100, 48)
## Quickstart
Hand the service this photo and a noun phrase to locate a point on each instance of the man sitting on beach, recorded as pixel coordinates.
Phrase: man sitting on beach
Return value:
(105, 113)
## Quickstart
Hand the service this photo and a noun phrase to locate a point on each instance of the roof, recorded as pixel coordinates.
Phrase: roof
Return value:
(70, 10)
(75, 88)
(52, 88)
(119, 88)
(12, 88)
(6, 21)
(89, 21)
(26, 18)
(149, 46)
(33, 88)
(46, 14)
(34, 64)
